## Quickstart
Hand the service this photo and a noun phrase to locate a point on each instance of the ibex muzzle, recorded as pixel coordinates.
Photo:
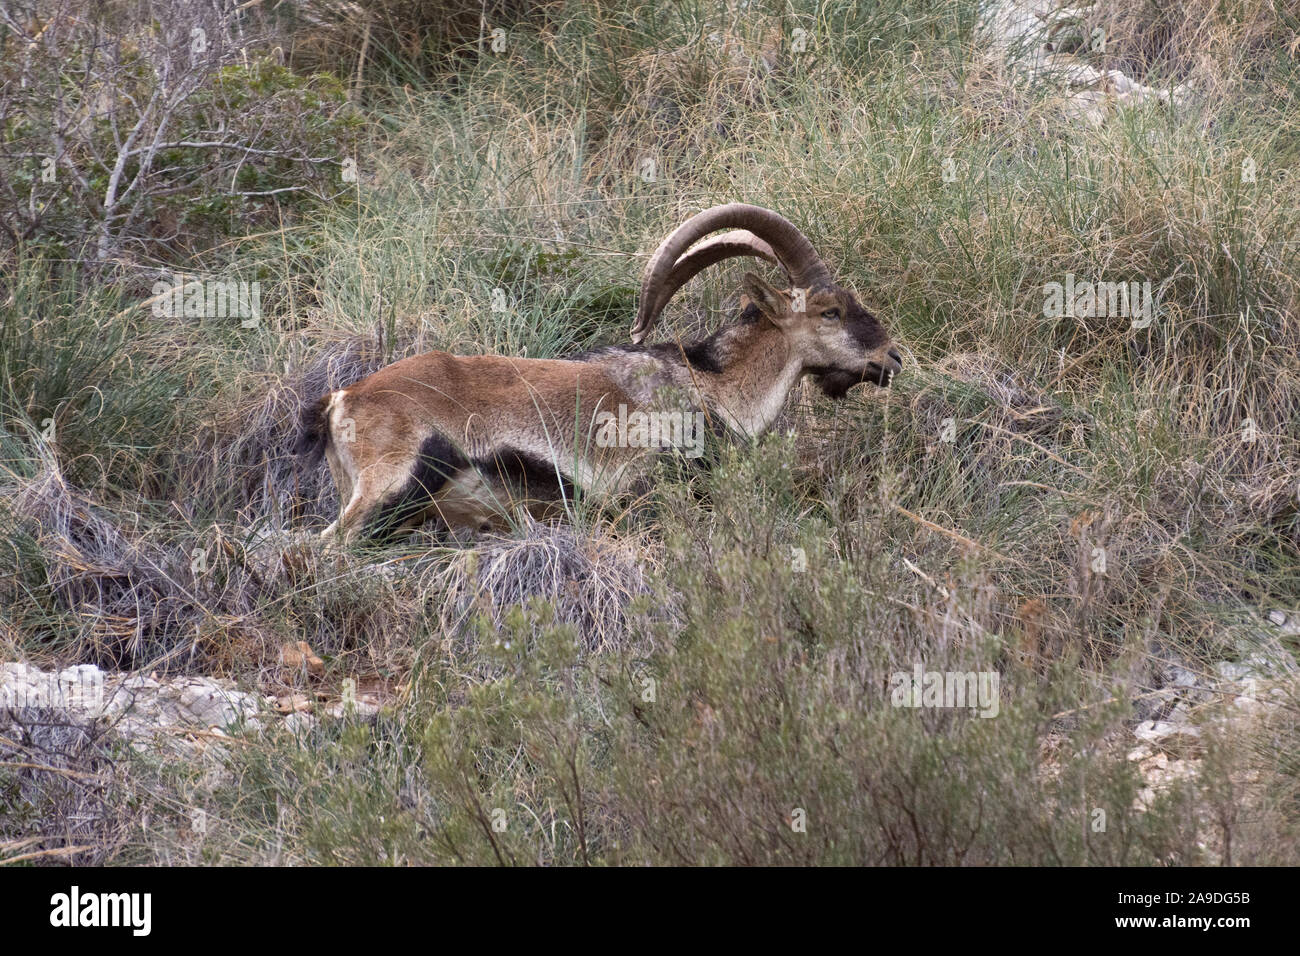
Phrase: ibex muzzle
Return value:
(469, 439)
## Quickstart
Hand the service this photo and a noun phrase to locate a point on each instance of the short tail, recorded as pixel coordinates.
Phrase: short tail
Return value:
(313, 432)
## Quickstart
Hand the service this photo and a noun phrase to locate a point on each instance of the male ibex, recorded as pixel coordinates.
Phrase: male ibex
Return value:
(466, 438)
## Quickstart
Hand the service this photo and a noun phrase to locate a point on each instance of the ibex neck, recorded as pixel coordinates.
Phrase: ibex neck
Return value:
(758, 372)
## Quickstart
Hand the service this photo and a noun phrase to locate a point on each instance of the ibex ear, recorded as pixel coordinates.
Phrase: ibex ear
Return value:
(773, 303)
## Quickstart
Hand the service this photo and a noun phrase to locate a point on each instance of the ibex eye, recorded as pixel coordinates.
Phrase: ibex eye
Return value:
(831, 315)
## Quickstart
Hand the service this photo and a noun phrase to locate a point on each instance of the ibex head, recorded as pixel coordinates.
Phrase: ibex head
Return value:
(840, 342)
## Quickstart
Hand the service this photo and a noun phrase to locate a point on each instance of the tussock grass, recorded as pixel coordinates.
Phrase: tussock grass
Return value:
(589, 579)
(128, 599)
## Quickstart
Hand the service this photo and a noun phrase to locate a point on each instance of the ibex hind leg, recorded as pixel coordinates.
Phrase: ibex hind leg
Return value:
(460, 501)
(440, 482)
(355, 515)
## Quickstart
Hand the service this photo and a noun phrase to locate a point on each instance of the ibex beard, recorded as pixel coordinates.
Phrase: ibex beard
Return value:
(471, 440)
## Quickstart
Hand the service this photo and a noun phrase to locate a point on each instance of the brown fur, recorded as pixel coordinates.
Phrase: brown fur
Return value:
(539, 414)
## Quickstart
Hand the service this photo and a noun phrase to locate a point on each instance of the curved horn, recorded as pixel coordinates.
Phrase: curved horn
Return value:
(729, 245)
(790, 246)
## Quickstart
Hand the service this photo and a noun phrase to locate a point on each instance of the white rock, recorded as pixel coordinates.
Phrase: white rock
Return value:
(299, 723)
(1232, 671)
(1157, 730)
(214, 706)
(135, 707)
(360, 708)
(1028, 34)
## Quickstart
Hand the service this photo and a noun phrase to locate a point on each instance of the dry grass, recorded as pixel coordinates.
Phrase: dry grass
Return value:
(663, 684)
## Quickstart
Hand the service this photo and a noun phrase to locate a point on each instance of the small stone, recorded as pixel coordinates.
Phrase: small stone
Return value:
(1232, 671)
(299, 656)
(139, 682)
(359, 708)
(1260, 665)
(212, 706)
(1174, 738)
(292, 703)
(299, 723)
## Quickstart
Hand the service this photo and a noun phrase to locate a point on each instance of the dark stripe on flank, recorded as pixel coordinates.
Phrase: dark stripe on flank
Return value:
(530, 477)
(438, 461)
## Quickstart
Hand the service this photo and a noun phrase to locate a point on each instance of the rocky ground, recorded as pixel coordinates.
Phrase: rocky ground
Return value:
(174, 713)
(1037, 38)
